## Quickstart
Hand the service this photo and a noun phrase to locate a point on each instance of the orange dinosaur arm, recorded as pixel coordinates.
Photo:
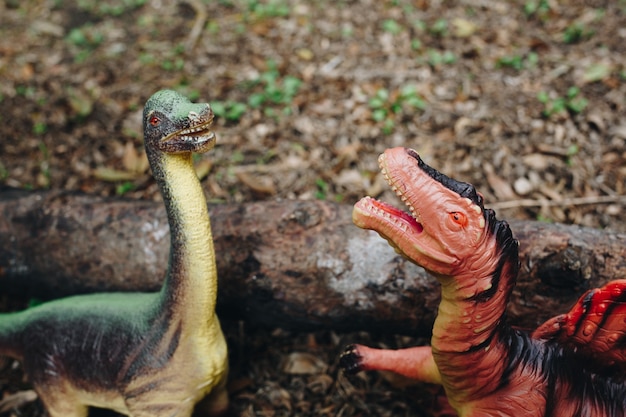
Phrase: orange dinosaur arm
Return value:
(415, 362)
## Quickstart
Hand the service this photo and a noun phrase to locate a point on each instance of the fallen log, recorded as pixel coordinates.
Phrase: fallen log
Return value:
(291, 264)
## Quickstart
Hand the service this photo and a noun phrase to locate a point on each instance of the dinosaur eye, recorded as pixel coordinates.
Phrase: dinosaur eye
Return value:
(154, 121)
(459, 218)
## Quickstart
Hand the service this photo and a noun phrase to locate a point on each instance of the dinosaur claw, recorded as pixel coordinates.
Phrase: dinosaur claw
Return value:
(350, 360)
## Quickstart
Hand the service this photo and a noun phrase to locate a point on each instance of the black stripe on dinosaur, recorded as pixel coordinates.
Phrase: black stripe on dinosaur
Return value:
(52, 359)
(155, 351)
(586, 303)
(461, 188)
(568, 380)
(509, 255)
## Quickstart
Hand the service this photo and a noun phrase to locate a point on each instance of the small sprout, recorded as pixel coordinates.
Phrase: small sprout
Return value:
(270, 9)
(237, 157)
(386, 106)
(416, 44)
(276, 90)
(229, 110)
(439, 28)
(124, 187)
(572, 102)
(518, 62)
(39, 128)
(539, 8)
(436, 58)
(575, 33)
(322, 189)
(572, 150)
(392, 26)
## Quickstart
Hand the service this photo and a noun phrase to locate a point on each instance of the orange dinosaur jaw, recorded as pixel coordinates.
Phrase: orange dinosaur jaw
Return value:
(368, 206)
(444, 221)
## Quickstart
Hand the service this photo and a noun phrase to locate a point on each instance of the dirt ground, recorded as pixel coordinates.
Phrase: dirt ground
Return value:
(524, 99)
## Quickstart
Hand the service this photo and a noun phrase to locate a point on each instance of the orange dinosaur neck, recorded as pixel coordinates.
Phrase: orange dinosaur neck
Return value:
(467, 335)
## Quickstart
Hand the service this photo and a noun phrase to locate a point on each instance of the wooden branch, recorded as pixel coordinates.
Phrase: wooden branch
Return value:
(292, 264)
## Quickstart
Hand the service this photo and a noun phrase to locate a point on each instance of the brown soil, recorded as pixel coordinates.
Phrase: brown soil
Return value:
(524, 99)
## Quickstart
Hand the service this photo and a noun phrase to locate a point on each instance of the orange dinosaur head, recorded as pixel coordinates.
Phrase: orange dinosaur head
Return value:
(447, 225)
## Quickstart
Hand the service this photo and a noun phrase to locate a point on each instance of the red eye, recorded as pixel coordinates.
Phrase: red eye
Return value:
(459, 218)
(154, 121)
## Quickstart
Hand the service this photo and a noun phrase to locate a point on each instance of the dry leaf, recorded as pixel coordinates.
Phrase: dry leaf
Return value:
(17, 400)
(463, 28)
(300, 363)
(133, 161)
(500, 187)
(258, 184)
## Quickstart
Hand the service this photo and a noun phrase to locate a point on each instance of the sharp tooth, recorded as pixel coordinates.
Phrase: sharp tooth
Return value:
(481, 222)
(477, 209)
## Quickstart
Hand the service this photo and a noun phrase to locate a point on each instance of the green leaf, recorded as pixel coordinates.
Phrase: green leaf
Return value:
(392, 26)
(379, 115)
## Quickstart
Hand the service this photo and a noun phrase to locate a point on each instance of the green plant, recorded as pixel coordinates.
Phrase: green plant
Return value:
(519, 62)
(124, 187)
(386, 107)
(39, 128)
(439, 28)
(436, 58)
(111, 7)
(268, 9)
(229, 110)
(275, 89)
(4, 173)
(572, 102)
(175, 64)
(539, 8)
(322, 189)
(572, 151)
(576, 32)
(86, 38)
(392, 26)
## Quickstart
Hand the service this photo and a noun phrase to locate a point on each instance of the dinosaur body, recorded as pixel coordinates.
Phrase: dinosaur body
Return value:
(141, 354)
(486, 367)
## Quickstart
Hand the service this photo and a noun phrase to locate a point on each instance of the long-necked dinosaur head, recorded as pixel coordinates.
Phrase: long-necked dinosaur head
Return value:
(173, 124)
(446, 229)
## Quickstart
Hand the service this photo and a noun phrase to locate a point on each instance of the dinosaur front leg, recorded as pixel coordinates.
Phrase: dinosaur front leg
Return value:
(415, 362)
(60, 404)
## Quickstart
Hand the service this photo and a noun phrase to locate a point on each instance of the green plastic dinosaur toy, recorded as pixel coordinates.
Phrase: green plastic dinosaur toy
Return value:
(140, 354)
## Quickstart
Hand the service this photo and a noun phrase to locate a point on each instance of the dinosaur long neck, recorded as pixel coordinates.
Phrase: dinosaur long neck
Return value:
(190, 288)
(468, 334)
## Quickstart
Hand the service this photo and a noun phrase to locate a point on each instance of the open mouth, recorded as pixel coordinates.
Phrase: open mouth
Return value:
(405, 230)
(197, 134)
(406, 221)
(196, 138)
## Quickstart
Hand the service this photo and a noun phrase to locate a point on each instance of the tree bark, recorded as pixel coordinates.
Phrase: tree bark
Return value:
(291, 264)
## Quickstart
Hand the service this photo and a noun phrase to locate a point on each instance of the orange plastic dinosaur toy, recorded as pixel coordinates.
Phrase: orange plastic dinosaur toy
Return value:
(571, 366)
